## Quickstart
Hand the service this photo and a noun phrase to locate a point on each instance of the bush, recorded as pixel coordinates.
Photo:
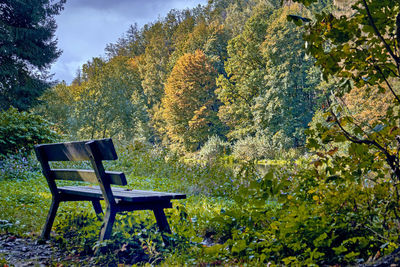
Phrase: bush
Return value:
(260, 146)
(20, 131)
(214, 148)
(17, 167)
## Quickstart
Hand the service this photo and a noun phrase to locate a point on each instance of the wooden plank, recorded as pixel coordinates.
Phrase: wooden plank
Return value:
(144, 192)
(117, 191)
(162, 224)
(117, 178)
(127, 196)
(76, 151)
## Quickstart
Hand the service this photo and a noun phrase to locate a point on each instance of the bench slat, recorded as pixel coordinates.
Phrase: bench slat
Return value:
(76, 151)
(134, 196)
(117, 178)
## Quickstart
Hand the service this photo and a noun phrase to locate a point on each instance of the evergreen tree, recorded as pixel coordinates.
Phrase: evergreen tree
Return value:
(27, 48)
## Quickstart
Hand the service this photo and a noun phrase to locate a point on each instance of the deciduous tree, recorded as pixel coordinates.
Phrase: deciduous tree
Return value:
(189, 104)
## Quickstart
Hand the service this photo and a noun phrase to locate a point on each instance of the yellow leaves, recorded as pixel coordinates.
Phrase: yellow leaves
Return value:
(135, 62)
(189, 95)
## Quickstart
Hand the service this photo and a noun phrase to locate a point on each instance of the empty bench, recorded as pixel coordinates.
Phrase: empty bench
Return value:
(117, 199)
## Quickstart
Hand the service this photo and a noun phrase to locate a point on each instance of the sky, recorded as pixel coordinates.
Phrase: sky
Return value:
(85, 27)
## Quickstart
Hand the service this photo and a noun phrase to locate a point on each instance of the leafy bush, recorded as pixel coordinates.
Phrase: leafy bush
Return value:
(214, 148)
(260, 146)
(20, 131)
(17, 166)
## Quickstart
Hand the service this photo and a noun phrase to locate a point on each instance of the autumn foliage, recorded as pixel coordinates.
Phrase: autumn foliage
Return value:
(189, 105)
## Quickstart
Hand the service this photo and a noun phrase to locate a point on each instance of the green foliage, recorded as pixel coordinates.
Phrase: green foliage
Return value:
(290, 97)
(17, 167)
(213, 149)
(260, 146)
(271, 83)
(27, 49)
(20, 131)
(245, 68)
(24, 200)
(106, 100)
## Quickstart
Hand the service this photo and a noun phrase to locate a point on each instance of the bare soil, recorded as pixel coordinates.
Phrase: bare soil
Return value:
(19, 252)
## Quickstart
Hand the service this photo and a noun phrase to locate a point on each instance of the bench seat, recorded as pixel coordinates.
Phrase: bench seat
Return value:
(120, 194)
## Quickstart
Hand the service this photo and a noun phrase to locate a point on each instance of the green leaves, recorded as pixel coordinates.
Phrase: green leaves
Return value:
(28, 49)
(298, 20)
(20, 131)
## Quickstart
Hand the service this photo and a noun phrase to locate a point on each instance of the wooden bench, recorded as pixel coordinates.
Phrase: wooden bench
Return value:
(117, 199)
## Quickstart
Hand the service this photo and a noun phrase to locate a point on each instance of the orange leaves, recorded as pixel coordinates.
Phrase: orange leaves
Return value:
(188, 101)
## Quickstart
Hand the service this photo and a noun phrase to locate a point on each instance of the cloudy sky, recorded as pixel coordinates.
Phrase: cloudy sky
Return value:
(85, 27)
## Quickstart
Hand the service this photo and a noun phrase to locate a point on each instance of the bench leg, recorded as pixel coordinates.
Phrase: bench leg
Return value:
(106, 229)
(97, 208)
(50, 219)
(162, 224)
(107, 225)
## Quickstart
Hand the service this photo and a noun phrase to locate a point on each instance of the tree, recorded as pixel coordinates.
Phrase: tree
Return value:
(27, 48)
(129, 45)
(359, 49)
(189, 105)
(212, 39)
(290, 97)
(245, 68)
(107, 101)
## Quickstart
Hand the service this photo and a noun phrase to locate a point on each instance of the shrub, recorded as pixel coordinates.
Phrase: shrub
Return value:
(17, 167)
(214, 148)
(20, 131)
(260, 146)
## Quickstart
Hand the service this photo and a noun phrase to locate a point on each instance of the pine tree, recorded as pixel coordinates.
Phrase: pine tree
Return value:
(27, 48)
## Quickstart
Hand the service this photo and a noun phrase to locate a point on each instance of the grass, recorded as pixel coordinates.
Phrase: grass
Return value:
(26, 198)
(229, 218)
(24, 205)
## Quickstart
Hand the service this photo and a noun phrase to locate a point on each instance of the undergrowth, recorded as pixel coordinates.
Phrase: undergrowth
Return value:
(292, 212)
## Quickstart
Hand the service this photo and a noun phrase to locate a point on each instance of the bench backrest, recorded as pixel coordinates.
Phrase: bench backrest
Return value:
(94, 151)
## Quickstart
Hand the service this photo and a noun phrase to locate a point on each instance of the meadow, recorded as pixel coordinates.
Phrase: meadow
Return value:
(234, 214)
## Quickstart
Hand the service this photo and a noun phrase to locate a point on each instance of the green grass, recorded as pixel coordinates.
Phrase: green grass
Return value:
(281, 215)
(24, 205)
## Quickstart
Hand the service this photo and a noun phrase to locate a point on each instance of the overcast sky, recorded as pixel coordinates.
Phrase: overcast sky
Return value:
(85, 27)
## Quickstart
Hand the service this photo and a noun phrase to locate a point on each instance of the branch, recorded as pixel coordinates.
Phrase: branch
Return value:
(371, 19)
(390, 159)
(387, 83)
(398, 31)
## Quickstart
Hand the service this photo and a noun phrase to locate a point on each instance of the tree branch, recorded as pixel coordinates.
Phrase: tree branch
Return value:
(371, 19)
(398, 31)
(390, 159)
(387, 83)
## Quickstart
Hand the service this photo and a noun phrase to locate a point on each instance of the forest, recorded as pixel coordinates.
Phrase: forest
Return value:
(278, 119)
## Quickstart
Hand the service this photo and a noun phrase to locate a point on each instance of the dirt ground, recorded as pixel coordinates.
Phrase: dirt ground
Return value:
(20, 252)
